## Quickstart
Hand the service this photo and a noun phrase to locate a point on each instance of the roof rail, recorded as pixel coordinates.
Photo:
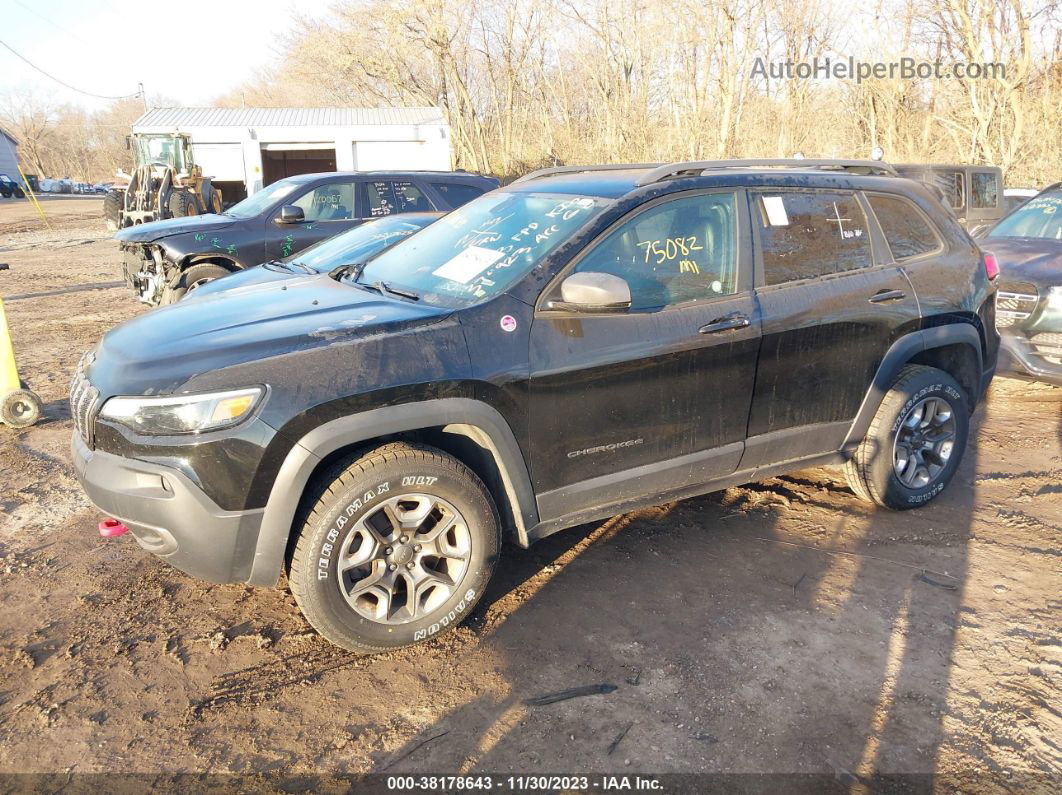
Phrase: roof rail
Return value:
(677, 169)
(548, 172)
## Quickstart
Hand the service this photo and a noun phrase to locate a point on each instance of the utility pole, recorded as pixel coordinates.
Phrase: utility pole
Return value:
(143, 95)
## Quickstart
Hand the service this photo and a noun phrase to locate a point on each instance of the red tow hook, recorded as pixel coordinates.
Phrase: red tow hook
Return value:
(112, 528)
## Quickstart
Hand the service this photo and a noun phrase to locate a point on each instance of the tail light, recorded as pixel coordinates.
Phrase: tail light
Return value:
(991, 266)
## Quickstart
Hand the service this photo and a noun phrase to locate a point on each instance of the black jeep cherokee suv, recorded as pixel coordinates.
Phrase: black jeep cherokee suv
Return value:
(575, 345)
(163, 260)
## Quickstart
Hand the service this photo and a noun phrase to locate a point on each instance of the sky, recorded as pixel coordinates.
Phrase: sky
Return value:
(189, 51)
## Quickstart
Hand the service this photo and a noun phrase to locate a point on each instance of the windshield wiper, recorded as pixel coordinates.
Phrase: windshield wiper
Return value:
(382, 287)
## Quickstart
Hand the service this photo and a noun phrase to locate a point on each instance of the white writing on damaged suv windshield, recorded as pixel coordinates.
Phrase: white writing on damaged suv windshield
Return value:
(478, 258)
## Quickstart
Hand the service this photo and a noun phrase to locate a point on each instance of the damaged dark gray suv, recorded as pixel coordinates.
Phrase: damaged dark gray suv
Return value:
(580, 343)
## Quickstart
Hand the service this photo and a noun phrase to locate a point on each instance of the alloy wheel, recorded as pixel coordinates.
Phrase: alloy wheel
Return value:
(404, 559)
(924, 442)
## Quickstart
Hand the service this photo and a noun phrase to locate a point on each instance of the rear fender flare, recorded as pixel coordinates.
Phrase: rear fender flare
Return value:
(899, 354)
(471, 418)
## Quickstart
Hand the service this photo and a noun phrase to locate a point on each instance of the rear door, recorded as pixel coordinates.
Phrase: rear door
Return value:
(328, 209)
(985, 205)
(655, 398)
(832, 303)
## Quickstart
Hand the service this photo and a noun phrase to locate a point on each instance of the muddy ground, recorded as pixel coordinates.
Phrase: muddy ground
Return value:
(779, 627)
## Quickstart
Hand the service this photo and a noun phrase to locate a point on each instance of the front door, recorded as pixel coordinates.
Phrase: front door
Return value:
(830, 314)
(654, 398)
(328, 209)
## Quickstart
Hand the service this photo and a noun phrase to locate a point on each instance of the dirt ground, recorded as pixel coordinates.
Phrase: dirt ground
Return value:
(780, 627)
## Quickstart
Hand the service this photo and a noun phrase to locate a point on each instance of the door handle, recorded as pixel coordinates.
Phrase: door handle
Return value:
(883, 296)
(726, 323)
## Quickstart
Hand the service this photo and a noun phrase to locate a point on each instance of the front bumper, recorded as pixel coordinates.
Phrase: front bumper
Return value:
(169, 515)
(1018, 355)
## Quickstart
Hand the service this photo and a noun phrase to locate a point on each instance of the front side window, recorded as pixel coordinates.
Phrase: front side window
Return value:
(678, 251)
(480, 249)
(1040, 217)
(804, 235)
(332, 202)
(906, 229)
(984, 190)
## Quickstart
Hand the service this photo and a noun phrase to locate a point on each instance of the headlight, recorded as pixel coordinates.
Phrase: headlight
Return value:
(182, 413)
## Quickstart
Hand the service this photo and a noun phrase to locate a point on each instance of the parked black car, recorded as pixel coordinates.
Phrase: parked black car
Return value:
(164, 259)
(356, 245)
(1028, 247)
(9, 188)
(578, 344)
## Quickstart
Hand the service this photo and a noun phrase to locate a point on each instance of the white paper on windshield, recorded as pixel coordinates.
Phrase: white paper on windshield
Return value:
(468, 264)
(776, 214)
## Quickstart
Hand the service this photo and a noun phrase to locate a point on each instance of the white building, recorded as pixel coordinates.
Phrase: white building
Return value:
(257, 146)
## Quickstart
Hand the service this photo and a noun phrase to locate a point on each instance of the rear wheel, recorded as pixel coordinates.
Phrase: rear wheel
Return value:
(915, 442)
(112, 210)
(398, 548)
(182, 203)
(195, 276)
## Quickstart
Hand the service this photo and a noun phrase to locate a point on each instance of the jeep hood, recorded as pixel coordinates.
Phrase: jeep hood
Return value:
(1030, 259)
(156, 230)
(160, 350)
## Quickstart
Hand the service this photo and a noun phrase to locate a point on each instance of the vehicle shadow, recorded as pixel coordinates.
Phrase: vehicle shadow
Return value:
(781, 627)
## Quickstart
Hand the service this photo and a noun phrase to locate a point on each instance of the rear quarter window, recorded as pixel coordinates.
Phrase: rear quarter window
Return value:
(456, 193)
(906, 229)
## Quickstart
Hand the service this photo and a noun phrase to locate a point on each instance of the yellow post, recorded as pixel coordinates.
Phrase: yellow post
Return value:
(19, 407)
(33, 198)
(8, 371)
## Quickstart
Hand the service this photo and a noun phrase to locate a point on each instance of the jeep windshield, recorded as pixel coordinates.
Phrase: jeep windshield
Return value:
(480, 249)
(255, 205)
(1040, 217)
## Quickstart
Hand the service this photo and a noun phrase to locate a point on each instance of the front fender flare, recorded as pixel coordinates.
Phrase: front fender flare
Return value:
(478, 421)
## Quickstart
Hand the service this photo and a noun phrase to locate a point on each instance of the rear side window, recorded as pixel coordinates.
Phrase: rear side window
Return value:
(984, 190)
(378, 198)
(907, 230)
(455, 193)
(410, 198)
(804, 235)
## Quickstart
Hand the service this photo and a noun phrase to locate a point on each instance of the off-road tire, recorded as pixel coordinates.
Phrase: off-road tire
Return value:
(182, 204)
(356, 489)
(112, 210)
(20, 408)
(193, 277)
(871, 471)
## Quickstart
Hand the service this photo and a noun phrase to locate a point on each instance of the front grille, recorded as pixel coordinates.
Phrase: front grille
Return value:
(1014, 308)
(1048, 344)
(84, 400)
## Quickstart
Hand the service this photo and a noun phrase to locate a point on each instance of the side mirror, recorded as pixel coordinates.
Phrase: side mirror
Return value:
(593, 292)
(290, 214)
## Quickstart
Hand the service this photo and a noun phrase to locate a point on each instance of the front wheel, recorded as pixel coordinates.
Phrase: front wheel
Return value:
(397, 549)
(193, 278)
(915, 442)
